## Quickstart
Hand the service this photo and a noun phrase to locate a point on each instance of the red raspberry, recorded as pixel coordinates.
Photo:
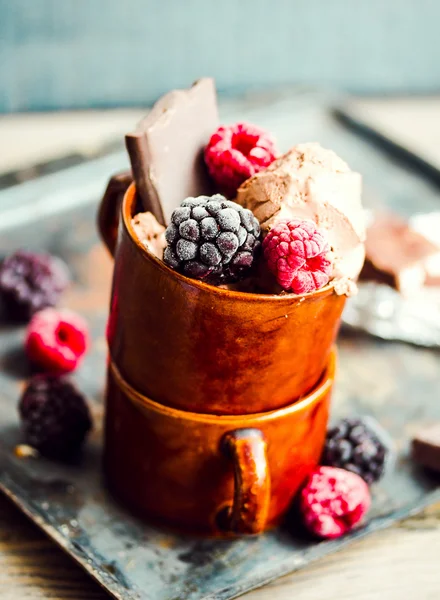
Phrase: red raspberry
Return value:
(237, 152)
(296, 252)
(56, 340)
(333, 501)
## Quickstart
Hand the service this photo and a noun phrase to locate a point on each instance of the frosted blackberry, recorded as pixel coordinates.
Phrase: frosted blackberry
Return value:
(55, 416)
(213, 239)
(30, 282)
(359, 446)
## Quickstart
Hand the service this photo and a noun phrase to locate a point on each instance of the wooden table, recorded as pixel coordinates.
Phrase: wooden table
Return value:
(398, 564)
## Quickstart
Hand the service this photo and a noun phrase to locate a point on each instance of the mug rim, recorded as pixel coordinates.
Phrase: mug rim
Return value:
(127, 204)
(314, 396)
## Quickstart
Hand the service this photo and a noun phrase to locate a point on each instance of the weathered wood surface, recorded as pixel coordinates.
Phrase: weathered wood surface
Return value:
(400, 563)
(31, 566)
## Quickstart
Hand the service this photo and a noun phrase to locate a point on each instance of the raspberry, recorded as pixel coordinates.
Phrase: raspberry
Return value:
(55, 416)
(359, 446)
(296, 252)
(212, 238)
(333, 501)
(30, 282)
(56, 340)
(235, 153)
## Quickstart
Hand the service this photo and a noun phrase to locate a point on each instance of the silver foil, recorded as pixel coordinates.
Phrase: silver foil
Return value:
(385, 313)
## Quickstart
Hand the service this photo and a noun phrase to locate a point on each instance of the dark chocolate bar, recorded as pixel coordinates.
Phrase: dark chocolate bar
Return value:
(426, 447)
(397, 255)
(166, 150)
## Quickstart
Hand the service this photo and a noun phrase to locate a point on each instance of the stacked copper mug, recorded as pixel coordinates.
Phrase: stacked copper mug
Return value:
(217, 400)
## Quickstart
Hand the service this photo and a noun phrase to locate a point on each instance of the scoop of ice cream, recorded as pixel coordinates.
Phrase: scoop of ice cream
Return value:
(150, 233)
(310, 182)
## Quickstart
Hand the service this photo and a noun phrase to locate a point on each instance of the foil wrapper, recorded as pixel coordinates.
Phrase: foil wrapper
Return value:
(385, 313)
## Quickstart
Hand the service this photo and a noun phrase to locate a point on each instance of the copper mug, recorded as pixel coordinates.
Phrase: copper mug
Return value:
(200, 348)
(216, 475)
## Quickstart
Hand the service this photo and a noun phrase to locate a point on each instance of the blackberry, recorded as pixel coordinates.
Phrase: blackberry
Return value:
(30, 282)
(213, 239)
(359, 446)
(55, 416)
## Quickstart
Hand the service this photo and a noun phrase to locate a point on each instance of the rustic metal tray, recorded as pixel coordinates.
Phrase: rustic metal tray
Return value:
(398, 384)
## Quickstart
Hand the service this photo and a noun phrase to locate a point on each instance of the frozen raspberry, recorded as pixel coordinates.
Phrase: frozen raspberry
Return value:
(55, 416)
(212, 239)
(237, 152)
(333, 501)
(296, 253)
(359, 446)
(30, 282)
(56, 340)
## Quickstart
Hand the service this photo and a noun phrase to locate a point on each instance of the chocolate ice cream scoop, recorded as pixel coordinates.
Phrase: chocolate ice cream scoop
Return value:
(310, 182)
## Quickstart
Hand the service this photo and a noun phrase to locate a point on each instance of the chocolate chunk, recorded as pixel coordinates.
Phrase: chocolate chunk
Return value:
(166, 150)
(397, 255)
(426, 447)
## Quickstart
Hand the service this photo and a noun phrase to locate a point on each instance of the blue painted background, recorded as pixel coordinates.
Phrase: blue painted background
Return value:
(95, 53)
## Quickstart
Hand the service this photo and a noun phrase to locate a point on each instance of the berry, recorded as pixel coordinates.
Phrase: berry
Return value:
(359, 446)
(296, 252)
(212, 238)
(333, 501)
(235, 153)
(56, 340)
(55, 416)
(30, 282)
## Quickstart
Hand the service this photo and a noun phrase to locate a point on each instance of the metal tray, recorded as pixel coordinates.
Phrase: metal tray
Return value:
(398, 384)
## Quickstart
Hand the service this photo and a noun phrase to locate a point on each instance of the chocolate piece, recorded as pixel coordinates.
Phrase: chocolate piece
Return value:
(428, 224)
(397, 255)
(166, 150)
(426, 447)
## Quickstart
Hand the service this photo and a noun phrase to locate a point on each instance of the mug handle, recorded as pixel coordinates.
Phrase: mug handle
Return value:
(108, 212)
(247, 449)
